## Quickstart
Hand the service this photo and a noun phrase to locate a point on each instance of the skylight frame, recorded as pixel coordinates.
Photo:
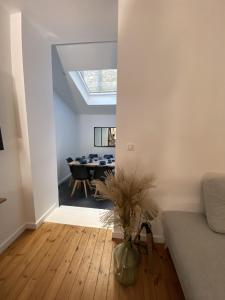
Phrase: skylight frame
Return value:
(87, 88)
(100, 99)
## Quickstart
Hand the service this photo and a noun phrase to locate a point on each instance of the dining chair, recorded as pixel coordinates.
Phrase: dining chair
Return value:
(100, 173)
(69, 160)
(83, 162)
(108, 156)
(80, 175)
(93, 155)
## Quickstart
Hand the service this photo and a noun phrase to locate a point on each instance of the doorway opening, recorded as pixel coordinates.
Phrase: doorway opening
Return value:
(85, 93)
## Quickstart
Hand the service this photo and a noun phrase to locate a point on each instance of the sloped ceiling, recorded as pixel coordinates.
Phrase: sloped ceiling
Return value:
(70, 21)
(88, 56)
(78, 57)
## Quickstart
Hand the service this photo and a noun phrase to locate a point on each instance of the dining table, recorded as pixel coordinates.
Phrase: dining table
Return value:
(94, 163)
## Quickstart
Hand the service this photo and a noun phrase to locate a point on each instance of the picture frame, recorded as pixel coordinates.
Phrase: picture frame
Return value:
(1, 141)
(105, 137)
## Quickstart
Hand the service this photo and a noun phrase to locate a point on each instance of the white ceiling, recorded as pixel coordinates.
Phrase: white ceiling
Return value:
(88, 56)
(70, 21)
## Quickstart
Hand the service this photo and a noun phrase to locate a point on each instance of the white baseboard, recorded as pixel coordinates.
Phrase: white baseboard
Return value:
(157, 238)
(29, 225)
(64, 179)
(4, 245)
(35, 225)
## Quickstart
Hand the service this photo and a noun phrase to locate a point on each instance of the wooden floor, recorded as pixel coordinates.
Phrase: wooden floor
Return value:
(69, 262)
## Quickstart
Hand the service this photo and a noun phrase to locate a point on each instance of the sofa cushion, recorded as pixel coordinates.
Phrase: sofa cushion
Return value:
(198, 254)
(213, 187)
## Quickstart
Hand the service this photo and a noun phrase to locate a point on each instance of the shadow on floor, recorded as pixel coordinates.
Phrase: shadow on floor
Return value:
(79, 198)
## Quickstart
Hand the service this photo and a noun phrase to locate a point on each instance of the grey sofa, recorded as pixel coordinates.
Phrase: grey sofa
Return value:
(198, 254)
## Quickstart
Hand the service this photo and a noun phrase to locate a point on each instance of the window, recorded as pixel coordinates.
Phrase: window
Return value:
(104, 136)
(100, 81)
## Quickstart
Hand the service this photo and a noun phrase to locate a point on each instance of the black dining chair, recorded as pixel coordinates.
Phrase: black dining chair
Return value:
(69, 160)
(108, 156)
(100, 173)
(102, 162)
(93, 155)
(83, 162)
(80, 175)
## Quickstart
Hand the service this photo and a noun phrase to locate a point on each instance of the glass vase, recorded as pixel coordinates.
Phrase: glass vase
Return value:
(126, 262)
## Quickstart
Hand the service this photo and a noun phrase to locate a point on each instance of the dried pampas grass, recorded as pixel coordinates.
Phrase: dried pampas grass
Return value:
(128, 192)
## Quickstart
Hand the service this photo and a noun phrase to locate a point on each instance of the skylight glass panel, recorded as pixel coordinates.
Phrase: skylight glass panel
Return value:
(100, 81)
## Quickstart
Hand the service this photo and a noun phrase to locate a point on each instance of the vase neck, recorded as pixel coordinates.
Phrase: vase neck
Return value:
(128, 237)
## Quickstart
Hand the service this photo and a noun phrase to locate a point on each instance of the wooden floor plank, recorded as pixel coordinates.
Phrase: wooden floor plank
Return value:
(147, 279)
(113, 285)
(67, 262)
(24, 277)
(45, 280)
(92, 277)
(19, 247)
(103, 275)
(37, 275)
(70, 276)
(157, 276)
(171, 281)
(63, 266)
(79, 282)
(20, 262)
(7, 256)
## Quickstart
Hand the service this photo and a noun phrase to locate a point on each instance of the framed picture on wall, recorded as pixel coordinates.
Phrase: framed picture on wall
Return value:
(1, 141)
(104, 136)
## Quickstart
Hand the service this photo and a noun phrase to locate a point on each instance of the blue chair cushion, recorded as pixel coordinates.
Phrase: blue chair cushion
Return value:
(108, 156)
(83, 161)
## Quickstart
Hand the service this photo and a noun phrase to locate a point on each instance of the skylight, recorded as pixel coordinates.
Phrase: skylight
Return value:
(100, 81)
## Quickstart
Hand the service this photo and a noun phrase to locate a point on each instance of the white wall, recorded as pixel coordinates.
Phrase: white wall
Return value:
(67, 139)
(34, 179)
(171, 60)
(12, 211)
(21, 110)
(39, 100)
(86, 125)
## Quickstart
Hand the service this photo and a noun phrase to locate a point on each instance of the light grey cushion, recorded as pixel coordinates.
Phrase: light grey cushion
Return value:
(213, 187)
(198, 254)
